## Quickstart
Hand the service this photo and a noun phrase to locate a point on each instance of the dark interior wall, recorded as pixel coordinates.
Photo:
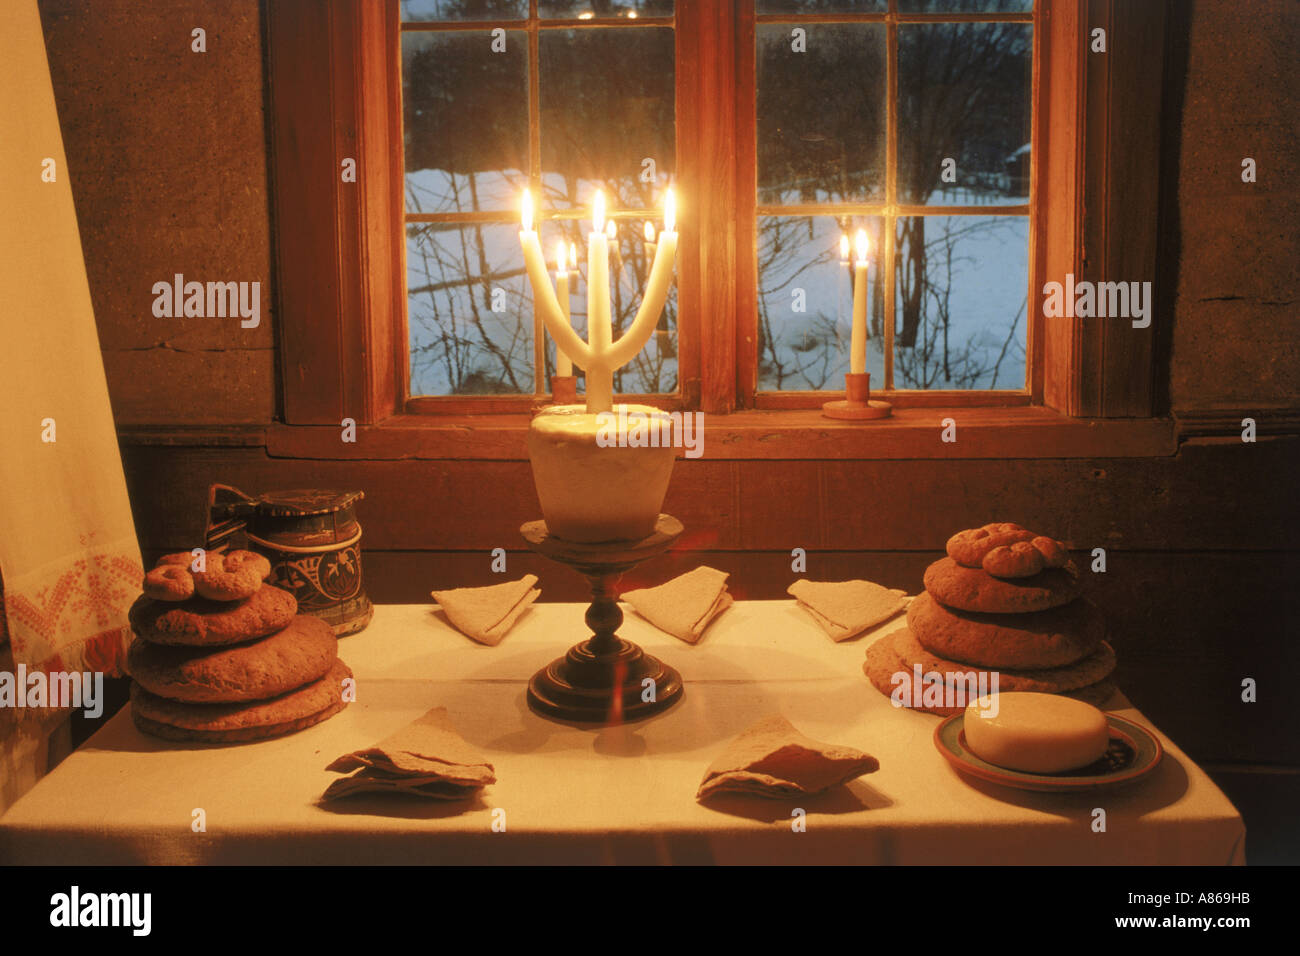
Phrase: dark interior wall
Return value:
(167, 157)
(1235, 341)
(167, 153)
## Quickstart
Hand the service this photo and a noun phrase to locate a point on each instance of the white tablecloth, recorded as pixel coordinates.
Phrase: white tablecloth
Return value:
(622, 795)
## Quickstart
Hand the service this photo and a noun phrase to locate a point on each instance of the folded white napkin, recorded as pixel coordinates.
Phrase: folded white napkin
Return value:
(686, 605)
(486, 614)
(846, 608)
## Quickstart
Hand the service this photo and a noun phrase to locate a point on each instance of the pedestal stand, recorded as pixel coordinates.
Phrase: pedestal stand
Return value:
(603, 680)
(857, 405)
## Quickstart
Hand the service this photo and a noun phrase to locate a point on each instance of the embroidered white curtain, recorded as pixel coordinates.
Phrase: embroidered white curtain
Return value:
(69, 561)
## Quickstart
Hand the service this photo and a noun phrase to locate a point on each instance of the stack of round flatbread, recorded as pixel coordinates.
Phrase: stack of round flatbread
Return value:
(1004, 601)
(226, 671)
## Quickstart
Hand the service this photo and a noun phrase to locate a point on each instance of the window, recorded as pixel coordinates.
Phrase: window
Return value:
(910, 120)
(564, 98)
(750, 169)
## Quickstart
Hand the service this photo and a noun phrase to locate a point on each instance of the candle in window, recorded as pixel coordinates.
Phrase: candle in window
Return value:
(649, 247)
(858, 343)
(563, 364)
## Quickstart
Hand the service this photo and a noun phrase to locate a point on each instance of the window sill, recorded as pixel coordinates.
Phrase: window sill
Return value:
(1017, 432)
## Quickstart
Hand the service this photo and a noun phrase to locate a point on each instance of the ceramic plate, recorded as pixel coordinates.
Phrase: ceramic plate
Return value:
(1133, 753)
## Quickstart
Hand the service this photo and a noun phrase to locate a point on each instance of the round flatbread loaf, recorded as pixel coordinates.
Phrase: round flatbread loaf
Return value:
(973, 589)
(1051, 638)
(234, 723)
(883, 662)
(1047, 680)
(270, 666)
(199, 622)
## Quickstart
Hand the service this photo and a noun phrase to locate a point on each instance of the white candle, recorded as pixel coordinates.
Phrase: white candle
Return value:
(598, 355)
(656, 290)
(600, 373)
(649, 246)
(858, 343)
(563, 364)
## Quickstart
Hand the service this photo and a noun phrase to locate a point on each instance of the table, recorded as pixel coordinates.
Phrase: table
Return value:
(617, 795)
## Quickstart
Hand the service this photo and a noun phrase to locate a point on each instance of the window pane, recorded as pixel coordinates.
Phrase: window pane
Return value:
(607, 115)
(821, 112)
(821, 6)
(572, 9)
(962, 325)
(466, 121)
(470, 309)
(963, 95)
(654, 369)
(805, 303)
(464, 9)
(965, 6)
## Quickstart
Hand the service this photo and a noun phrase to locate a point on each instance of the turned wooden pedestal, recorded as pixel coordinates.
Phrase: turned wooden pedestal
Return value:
(604, 679)
(857, 405)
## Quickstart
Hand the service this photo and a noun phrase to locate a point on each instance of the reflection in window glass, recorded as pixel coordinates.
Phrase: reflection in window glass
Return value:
(961, 295)
(805, 302)
(963, 95)
(821, 112)
(466, 121)
(416, 10)
(469, 310)
(607, 115)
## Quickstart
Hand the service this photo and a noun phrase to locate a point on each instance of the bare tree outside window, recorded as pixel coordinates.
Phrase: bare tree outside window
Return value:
(602, 118)
(962, 115)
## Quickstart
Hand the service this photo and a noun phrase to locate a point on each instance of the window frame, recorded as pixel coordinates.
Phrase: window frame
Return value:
(533, 26)
(888, 209)
(340, 258)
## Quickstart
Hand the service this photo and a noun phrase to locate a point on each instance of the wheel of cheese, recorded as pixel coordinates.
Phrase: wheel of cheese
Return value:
(1035, 733)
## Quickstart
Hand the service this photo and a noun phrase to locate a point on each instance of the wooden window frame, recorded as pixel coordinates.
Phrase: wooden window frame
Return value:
(533, 27)
(887, 208)
(334, 92)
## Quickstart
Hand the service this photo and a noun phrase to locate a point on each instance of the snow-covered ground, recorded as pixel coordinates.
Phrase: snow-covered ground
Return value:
(455, 332)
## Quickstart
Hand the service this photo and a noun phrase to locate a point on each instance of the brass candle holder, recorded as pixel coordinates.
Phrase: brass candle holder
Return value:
(604, 679)
(857, 404)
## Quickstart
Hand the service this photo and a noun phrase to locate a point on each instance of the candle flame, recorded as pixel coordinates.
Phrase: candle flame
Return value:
(862, 244)
(670, 211)
(559, 256)
(598, 212)
(649, 232)
(526, 211)
(573, 256)
(844, 246)
(610, 229)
